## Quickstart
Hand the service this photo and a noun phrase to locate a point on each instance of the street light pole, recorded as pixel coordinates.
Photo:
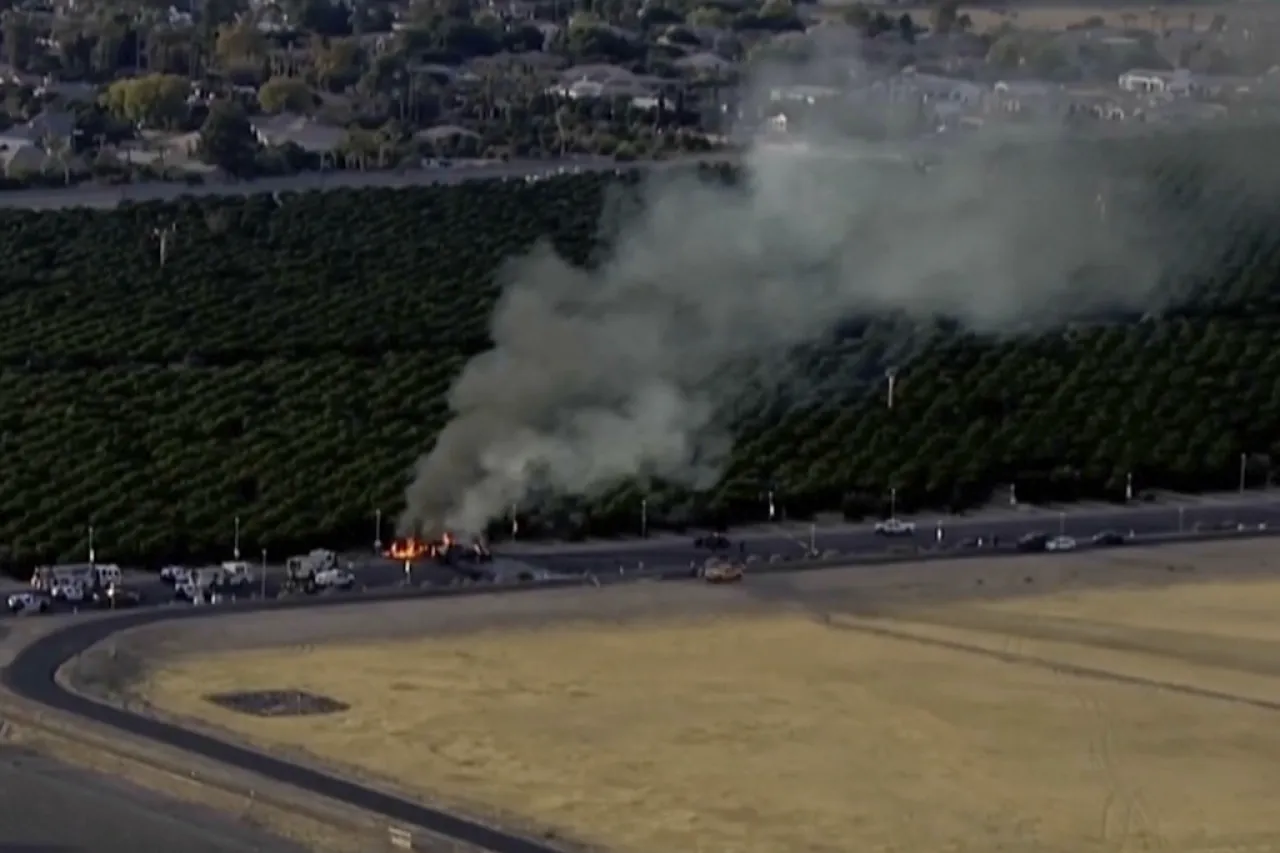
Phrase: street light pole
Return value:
(377, 530)
(235, 551)
(891, 378)
(93, 558)
(893, 502)
(644, 518)
(264, 572)
(1244, 459)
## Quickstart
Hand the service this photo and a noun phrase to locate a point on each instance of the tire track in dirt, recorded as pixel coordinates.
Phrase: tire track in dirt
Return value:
(1044, 664)
(1237, 654)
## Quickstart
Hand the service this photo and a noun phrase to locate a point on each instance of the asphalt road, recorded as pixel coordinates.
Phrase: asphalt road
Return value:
(1145, 519)
(106, 197)
(32, 674)
(48, 807)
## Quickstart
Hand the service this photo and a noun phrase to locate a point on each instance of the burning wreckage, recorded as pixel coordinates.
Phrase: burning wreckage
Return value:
(467, 560)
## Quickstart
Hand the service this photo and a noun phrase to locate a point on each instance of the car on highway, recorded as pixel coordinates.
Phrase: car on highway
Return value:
(28, 602)
(117, 596)
(895, 527)
(1060, 543)
(1034, 542)
(712, 542)
(1108, 539)
(722, 573)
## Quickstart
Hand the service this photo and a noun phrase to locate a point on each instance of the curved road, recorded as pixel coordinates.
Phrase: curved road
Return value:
(32, 673)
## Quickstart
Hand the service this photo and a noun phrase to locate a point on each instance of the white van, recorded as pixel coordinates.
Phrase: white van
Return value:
(109, 575)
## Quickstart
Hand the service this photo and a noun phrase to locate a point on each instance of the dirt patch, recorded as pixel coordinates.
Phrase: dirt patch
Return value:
(278, 703)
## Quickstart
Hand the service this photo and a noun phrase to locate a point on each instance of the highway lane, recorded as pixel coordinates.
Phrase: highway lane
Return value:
(671, 552)
(32, 674)
(49, 807)
(1145, 519)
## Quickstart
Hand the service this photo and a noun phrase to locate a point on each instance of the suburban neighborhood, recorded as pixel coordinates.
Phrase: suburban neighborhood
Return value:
(229, 89)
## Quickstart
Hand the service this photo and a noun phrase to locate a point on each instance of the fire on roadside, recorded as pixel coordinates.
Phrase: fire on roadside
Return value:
(408, 549)
(414, 548)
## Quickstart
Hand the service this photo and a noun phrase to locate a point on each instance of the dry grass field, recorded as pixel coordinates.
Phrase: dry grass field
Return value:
(1081, 720)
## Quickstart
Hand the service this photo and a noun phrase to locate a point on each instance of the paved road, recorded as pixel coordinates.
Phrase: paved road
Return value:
(109, 197)
(861, 539)
(49, 807)
(669, 552)
(32, 674)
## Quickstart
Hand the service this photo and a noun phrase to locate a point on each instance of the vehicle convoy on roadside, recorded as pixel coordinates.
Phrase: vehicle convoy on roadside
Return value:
(208, 583)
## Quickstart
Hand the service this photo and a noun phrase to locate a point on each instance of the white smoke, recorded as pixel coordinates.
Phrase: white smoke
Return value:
(598, 375)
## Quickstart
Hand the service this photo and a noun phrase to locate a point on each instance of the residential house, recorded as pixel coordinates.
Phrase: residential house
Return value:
(37, 145)
(1156, 82)
(306, 133)
(603, 81)
(705, 64)
(1030, 97)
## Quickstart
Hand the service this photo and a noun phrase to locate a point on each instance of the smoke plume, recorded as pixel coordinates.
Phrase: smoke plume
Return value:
(598, 375)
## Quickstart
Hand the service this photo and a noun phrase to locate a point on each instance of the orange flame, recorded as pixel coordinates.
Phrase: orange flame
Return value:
(407, 549)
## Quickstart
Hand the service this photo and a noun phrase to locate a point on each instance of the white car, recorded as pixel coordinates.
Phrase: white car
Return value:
(335, 579)
(174, 574)
(1060, 543)
(895, 527)
(27, 602)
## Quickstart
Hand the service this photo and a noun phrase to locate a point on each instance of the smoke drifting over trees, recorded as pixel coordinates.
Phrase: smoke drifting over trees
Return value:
(625, 369)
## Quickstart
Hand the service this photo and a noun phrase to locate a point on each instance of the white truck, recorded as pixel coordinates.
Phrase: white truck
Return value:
(318, 570)
(197, 584)
(236, 575)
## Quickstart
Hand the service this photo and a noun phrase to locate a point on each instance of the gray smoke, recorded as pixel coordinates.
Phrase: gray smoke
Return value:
(598, 375)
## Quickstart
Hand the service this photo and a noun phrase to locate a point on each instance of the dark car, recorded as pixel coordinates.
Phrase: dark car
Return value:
(117, 597)
(712, 542)
(1034, 542)
(1109, 538)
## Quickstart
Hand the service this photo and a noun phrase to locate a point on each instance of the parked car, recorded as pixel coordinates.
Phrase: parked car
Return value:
(28, 602)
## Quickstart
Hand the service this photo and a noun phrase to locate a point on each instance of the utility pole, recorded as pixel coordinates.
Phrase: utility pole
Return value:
(1128, 486)
(264, 572)
(891, 379)
(515, 522)
(1244, 462)
(893, 502)
(377, 531)
(93, 556)
(235, 548)
(162, 235)
(773, 509)
(644, 518)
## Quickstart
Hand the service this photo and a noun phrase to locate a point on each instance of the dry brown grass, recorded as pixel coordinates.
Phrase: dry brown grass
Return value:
(756, 733)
